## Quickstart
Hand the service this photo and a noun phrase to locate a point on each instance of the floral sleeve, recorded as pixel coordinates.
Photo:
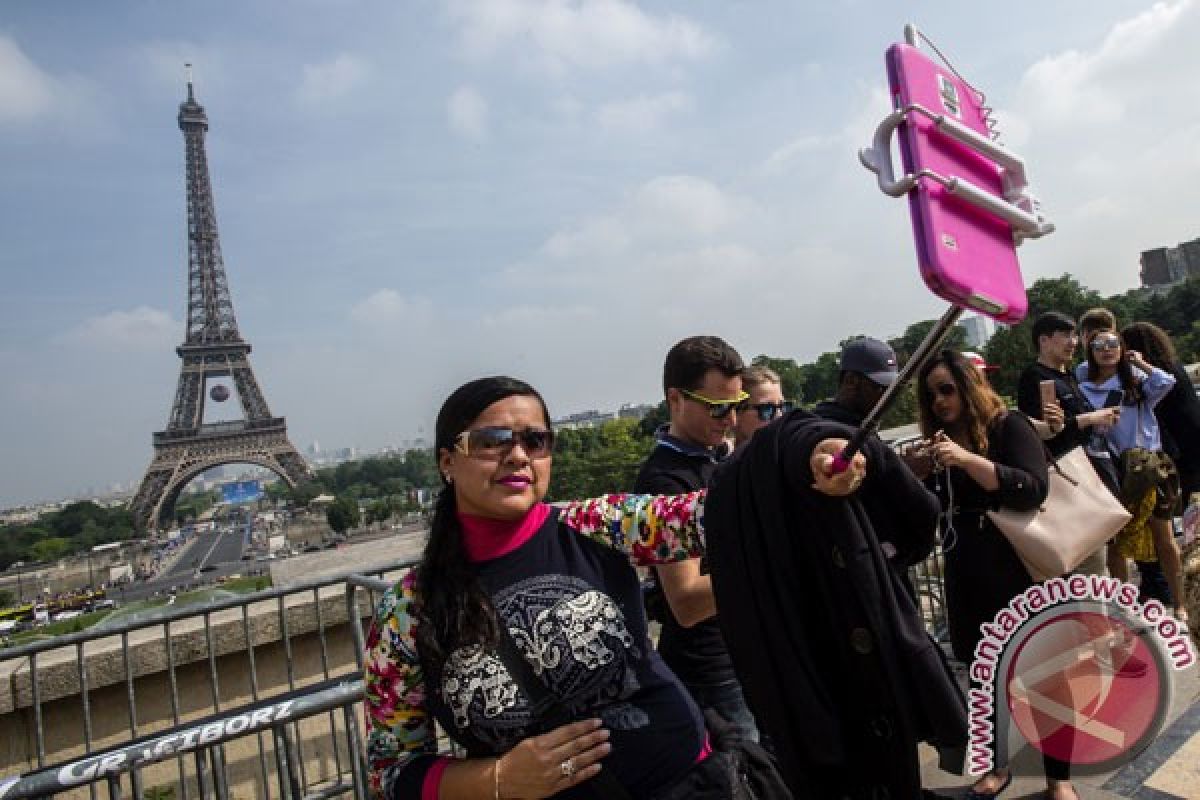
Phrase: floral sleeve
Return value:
(401, 743)
(650, 529)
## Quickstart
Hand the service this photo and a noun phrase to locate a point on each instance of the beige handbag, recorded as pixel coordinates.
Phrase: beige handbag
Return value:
(1078, 516)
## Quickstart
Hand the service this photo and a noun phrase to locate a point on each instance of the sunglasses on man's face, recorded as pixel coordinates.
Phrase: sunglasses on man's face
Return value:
(1101, 343)
(717, 409)
(766, 411)
(496, 441)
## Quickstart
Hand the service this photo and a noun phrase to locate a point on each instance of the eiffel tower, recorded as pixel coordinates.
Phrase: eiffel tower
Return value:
(213, 349)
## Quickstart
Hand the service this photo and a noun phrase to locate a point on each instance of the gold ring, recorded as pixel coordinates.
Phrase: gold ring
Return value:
(567, 768)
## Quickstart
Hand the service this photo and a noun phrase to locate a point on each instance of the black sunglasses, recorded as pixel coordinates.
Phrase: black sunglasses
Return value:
(495, 441)
(946, 389)
(717, 409)
(766, 411)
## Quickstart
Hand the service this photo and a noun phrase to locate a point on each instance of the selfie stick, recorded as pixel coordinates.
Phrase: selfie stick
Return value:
(924, 352)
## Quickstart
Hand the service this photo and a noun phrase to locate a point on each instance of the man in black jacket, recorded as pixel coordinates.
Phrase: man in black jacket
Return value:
(830, 649)
(867, 367)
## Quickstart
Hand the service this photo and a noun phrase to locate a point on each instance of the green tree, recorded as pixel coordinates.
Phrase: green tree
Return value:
(50, 549)
(819, 379)
(305, 493)
(342, 514)
(380, 511)
(661, 415)
(601, 460)
(277, 490)
(907, 343)
(420, 469)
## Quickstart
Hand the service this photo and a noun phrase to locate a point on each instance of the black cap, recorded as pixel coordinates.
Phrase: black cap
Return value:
(872, 358)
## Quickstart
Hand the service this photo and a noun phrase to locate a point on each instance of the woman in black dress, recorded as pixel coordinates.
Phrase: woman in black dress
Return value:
(984, 458)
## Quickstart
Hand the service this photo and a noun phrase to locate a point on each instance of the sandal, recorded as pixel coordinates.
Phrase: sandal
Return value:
(974, 795)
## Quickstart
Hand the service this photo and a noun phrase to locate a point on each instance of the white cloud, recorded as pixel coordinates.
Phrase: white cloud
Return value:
(683, 205)
(330, 80)
(1112, 142)
(467, 111)
(670, 232)
(597, 236)
(535, 319)
(663, 212)
(388, 309)
(142, 329)
(642, 114)
(162, 62)
(798, 148)
(559, 34)
(1063, 88)
(26, 91)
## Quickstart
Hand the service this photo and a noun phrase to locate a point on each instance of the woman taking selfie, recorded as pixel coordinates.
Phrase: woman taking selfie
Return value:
(511, 595)
(983, 458)
(1117, 376)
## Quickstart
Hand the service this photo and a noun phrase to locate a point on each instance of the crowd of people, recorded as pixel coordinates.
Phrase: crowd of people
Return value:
(793, 660)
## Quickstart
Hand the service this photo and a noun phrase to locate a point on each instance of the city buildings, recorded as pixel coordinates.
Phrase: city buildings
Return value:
(1166, 266)
(977, 330)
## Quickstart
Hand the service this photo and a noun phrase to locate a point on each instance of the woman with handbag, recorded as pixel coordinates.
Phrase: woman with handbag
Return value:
(983, 458)
(1119, 376)
(1178, 413)
(522, 632)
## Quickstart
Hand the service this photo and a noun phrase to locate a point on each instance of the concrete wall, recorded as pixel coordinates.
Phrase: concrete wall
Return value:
(108, 695)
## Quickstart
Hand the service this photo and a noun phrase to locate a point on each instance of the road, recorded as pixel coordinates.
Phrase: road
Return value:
(209, 549)
(212, 555)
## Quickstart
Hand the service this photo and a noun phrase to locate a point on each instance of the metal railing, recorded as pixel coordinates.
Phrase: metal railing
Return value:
(928, 577)
(223, 637)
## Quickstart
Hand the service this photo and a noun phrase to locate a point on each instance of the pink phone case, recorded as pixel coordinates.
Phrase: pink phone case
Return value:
(966, 254)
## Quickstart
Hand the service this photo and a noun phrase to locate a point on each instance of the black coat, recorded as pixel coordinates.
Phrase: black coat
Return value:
(829, 648)
(983, 572)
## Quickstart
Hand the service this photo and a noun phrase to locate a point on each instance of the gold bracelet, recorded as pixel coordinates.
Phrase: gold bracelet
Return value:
(496, 779)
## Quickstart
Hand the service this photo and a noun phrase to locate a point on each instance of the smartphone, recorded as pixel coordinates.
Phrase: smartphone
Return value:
(1113, 398)
(966, 254)
(1048, 393)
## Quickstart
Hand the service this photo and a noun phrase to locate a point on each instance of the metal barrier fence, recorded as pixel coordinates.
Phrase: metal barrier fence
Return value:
(928, 577)
(328, 700)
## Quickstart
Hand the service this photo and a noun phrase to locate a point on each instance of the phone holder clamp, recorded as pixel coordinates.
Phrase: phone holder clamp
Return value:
(1018, 207)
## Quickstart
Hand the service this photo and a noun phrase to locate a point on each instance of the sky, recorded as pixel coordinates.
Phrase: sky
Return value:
(414, 194)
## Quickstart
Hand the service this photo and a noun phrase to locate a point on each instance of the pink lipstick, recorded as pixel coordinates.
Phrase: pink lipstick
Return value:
(515, 481)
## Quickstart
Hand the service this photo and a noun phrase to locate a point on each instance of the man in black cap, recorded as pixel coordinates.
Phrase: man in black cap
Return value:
(868, 367)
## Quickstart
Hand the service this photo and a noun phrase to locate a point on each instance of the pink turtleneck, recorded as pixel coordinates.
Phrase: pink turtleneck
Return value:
(485, 538)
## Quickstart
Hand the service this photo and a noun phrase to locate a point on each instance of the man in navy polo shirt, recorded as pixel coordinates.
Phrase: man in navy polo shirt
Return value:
(703, 387)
